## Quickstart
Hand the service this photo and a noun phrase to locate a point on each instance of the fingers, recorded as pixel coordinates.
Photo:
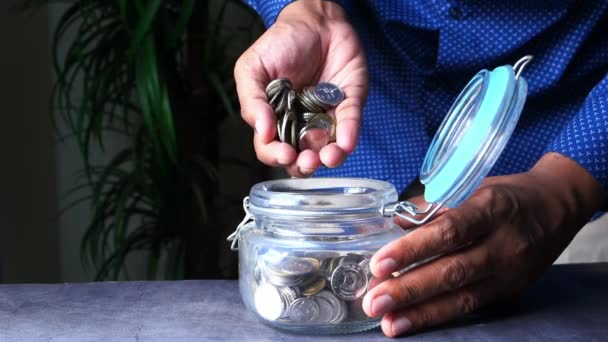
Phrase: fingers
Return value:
(251, 81)
(274, 153)
(348, 119)
(420, 203)
(332, 155)
(454, 229)
(442, 275)
(440, 309)
(305, 165)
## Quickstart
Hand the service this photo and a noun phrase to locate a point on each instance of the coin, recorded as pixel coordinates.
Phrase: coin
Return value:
(316, 134)
(304, 309)
(307, 116)
(329, 264)
(339, 309)
(291, 271)
(293, 141)
(277, 84)
(326, 310)
(302, 265)
(329, 94)
(309, 102)
(269, 303)
(315, 287)
(282, 102)
(349, 281)
(279, 131)
(286, 123)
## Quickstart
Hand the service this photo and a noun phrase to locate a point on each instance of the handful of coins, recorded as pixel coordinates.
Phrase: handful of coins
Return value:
(311, 287)
(302, 119)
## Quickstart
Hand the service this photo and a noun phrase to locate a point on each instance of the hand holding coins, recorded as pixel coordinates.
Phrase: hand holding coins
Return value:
(302, 119)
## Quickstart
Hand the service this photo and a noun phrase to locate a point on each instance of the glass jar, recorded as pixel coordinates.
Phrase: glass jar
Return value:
(304, 260)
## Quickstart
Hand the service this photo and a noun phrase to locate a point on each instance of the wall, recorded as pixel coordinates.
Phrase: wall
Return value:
(29, 237)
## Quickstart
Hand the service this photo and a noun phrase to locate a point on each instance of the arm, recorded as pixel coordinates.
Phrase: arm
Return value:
(585, 138)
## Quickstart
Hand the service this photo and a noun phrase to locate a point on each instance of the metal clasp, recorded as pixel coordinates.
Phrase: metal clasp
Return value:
(405, 208)
(519, 66)
(236, 235)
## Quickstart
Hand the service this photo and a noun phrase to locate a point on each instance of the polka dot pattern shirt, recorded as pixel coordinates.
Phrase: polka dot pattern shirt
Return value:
(422, 53)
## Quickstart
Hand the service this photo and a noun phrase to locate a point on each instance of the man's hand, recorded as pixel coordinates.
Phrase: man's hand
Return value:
(310, 42)
(493, 246)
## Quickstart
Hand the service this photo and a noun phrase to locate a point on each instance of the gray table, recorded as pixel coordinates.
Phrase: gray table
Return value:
(570, 303)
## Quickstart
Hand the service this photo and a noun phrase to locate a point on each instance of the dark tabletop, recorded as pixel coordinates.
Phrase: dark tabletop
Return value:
(570, 303)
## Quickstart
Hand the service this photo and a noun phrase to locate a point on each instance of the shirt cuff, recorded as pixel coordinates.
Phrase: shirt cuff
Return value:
(585, 137)
(268, 9)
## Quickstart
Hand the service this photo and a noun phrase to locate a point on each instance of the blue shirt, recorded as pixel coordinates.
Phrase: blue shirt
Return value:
(422, 53)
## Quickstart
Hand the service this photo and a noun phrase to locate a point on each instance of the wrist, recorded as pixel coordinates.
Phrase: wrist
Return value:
(571, 193)
(312, 11)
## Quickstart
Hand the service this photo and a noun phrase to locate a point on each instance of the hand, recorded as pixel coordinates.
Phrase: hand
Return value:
(492, 246)
(310, 42)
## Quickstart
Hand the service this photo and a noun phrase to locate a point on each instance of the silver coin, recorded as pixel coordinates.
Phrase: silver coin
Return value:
(304, 309)
(317, 133)
(279, 130)
(269, 302)
(282, 104)
(299, 266)
(326, 310)
(278, 84)
(309, 102)
(339, 308)
(285, 125)
(307, 116)
(349, 281)
(329, 94)
(293, 138)
(312, 139)
(291, 100)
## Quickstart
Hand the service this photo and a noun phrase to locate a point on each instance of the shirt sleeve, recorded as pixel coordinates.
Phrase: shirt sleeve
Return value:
(268, 9)
(585, 137)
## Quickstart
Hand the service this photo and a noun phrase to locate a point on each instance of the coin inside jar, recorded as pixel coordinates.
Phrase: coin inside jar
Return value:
(349, 281)
(315, 287)
(305, 309)
(269, 303)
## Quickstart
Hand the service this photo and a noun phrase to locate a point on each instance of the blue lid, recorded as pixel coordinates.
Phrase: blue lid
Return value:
(473, 134)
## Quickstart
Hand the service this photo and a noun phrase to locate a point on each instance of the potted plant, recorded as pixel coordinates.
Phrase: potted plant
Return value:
(159, 74)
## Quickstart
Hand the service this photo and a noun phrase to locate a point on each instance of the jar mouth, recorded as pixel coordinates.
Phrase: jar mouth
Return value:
(317, 197)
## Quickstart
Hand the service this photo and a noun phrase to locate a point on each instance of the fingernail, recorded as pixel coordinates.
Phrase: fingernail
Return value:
(282, 160)
(306, 172)
(385, 266)
(382, 304)
(401, 325)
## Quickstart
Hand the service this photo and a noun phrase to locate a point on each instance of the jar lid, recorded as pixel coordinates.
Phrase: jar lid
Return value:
(473, 134)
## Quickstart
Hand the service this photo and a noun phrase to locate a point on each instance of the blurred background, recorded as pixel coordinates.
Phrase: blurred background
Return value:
(124, 155)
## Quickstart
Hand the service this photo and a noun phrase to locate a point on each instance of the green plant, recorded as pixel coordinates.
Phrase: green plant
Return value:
(157, 73)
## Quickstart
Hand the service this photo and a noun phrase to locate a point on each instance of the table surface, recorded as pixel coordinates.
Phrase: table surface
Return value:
(569, 303)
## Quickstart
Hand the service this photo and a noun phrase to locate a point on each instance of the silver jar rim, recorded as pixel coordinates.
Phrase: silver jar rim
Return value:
(320, 197)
